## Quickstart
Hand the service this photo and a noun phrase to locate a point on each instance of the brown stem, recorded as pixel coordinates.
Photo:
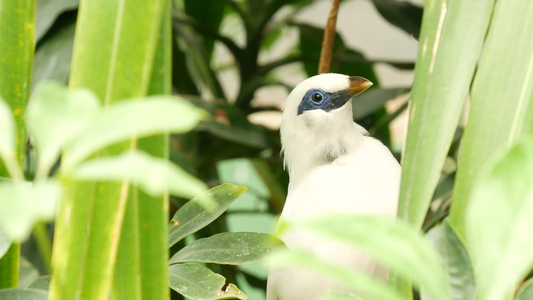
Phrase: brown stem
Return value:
(324, 64)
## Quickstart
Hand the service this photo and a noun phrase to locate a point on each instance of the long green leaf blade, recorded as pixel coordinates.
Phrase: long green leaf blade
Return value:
(450, 43)
(143, 251)
(502, 94)
(113, 56)
(17, 31)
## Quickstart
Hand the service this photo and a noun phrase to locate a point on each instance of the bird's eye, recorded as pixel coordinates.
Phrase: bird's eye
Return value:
(316, 97)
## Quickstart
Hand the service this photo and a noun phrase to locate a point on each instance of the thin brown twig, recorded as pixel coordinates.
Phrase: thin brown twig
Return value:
(324, 64)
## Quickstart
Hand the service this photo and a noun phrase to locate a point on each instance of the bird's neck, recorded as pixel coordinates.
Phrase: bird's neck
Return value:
(306, 152)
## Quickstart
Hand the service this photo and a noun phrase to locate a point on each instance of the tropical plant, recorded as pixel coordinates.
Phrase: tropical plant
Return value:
(479, 250)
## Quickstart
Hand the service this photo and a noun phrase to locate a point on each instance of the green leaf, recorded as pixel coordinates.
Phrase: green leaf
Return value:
(41, 283)
(128, 119)
(47, 13)
(526, 291)
(392, 243)
(458, 266)
(494, 124)
(192, 216)
(133, 166)
(198, 282)
(17, 42)
(450, 42)
(26, 294)
(371, 287)
(24, 203)
(232, 248)
(55, 115)
(403, 15)
(142, 258)
(114, 50)
(498, 222)
(17, 29)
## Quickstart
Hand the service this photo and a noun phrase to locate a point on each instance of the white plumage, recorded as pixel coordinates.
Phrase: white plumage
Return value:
(334, 167)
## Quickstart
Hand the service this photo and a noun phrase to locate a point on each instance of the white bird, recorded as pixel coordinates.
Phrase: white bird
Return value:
(334, 167)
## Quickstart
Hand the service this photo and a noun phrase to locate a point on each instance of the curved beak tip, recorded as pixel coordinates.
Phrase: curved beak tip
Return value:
(358, 85)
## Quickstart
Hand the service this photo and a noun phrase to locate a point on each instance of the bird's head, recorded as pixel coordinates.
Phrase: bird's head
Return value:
(317, 124)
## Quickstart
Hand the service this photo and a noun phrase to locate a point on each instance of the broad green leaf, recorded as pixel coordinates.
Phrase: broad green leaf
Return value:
(498, 222)
(451, 40)
(394, 244)
(198, 282)
(47, 13)
(232, 248)
(370, 287)
(24, 203)
(457, 262)
(128, 119)
(502, 95)
(55, 115)
(142, 258)
(192, 216)
(403, 15)
(526, 291)
(54, 55)
(41, 283)
(154, 175)
(26, 294)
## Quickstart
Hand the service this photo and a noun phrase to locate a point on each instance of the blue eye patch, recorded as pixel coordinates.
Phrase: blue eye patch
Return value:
(318, 99)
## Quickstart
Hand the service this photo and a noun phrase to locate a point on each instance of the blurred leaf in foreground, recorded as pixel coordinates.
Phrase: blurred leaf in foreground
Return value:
(499, 221)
